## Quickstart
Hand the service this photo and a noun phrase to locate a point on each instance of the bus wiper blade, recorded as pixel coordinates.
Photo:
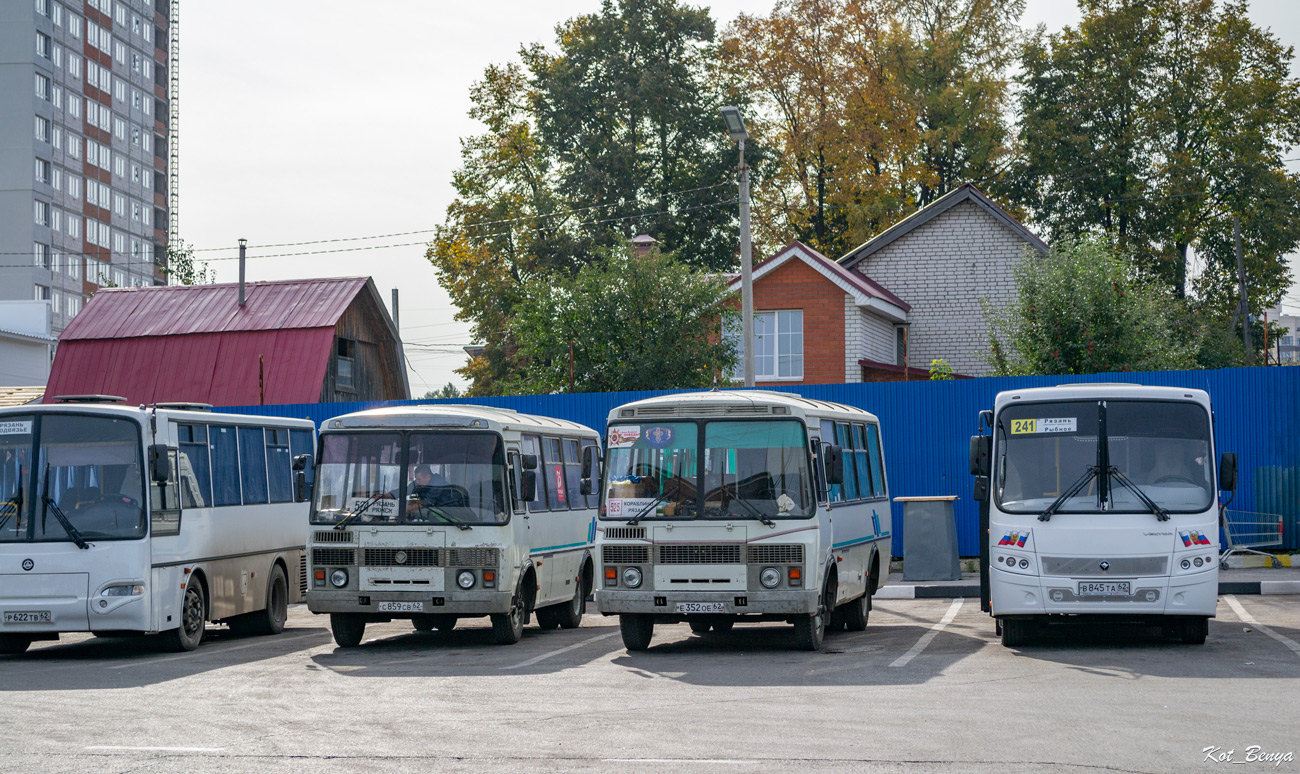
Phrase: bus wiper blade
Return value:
(366, 503)
(757, 513)
(67, 525)
(1093, 472)
(649, 507)
(1161, 513)
(11, 506)
(440, 513)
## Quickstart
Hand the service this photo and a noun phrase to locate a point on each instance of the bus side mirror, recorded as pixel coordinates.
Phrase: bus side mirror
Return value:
(590, 469)
(981, 493)
(528, 482)
(981, 448)
(833, 461)
(160, 469)
(300, 486)
(1228, 471)
(301, 461)
(530, 463)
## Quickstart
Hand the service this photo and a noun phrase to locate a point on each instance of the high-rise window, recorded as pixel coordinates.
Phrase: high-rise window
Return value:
(42, 253)
(74, 146)
(74, 66)
(56, 219)
(43, 45)
(42, 87)
(42, 293)
(74, 26)
(42, 171)
(56, 138)
(41, 213)
(74, 186)
(42, 129)
(43, 7)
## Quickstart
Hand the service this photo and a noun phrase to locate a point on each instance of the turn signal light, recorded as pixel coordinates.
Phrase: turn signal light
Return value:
(611, 573)
(320, 575)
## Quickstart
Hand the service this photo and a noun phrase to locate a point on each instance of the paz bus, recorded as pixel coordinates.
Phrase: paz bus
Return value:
(1100, 505)
(737, 506)
(435, 513)
(121, 520)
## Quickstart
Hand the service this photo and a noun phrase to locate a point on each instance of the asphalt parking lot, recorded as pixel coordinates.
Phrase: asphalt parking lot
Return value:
(926, 688)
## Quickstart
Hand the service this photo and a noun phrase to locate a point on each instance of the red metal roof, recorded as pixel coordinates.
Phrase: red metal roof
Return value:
(180, 309)
(196, 344)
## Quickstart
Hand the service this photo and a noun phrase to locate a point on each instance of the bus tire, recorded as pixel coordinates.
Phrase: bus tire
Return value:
(569, 615)
(637, 630)
(810, 630)
(14, 644)
(508, 628)
(272, 619)
(1195, 630)
(194, 612)
(723, 625)
(348, 629)
(856, 613)
(1015, 633)
(548, 617)
(439, 621)
(700, 627)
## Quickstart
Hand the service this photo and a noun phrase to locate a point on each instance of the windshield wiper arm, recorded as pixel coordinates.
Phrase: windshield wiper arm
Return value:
(757, 513)
(1161, 513)
(641, 514)
(366, 503)
(1092, 472)
(440, 513)
(14, 503)
(67, 525)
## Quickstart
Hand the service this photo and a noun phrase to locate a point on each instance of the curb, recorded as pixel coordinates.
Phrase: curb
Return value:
(973, 591)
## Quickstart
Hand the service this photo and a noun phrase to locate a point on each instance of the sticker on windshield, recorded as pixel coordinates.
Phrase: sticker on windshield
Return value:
(16, 428)
(1048, 425)
(627, 507)
(384, 508)
(623, 436)
(658, 437)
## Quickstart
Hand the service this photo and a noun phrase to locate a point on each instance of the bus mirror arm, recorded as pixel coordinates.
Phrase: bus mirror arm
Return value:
(1228, 471)
(160, 469)
(981, 493)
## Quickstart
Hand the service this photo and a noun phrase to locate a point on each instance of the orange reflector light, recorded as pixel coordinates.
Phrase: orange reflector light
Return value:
(320, 575)
(839, 558)
(488, 575)
(611, 573)
(795, 573)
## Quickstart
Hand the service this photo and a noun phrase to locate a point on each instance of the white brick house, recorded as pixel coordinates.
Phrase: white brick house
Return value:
(942, 260)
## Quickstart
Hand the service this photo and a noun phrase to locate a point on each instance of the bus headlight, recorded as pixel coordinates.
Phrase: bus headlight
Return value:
(632, 577)
(127, 590)
(339, 578)
(465, 579)
(770, 577)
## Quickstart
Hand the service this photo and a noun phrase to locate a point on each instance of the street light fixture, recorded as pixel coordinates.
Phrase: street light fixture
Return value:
(736, 128)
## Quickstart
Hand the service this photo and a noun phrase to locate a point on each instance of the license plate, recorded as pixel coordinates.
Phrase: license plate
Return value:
(1104, 589)
(401, 607)
(27, 616)
(701, 607)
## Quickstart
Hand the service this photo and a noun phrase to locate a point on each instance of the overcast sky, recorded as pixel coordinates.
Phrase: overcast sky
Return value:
(310, 120)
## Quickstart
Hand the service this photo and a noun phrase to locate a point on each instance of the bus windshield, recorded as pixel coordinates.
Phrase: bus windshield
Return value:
(735, 469)
(88, 469)
(1161, 448)
(443, 477)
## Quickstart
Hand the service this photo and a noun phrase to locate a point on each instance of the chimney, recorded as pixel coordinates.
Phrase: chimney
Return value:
(643, 244)
(242, 244)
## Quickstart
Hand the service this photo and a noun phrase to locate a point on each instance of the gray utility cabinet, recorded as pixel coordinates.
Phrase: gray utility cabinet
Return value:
(929, 538)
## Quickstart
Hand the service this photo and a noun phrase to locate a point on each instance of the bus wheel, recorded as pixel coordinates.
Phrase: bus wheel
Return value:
(1015, 633)
(700, 627)
(637, 630)
(857, 612)
(810, 630)
(13, 644)
(441, 622)
(548, 618)
(1195, 630)
(569, 616)
(348, 629)
(723, 625)
(189, 633)
(272, 619)
(508, 628)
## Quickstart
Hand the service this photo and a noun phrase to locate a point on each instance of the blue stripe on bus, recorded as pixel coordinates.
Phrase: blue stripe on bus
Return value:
(556, 548)
(866, 539)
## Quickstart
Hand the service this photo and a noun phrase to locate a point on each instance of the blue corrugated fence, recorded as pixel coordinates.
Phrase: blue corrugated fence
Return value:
(926, 427)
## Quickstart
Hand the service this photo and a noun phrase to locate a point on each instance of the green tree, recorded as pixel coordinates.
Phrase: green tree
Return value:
(632, 322)
(184, 269)
(1155, 121)
(1085, 309)
(447, 391)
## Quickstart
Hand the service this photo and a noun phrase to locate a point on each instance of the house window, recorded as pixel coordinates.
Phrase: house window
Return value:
(346, 352)
(778, 346)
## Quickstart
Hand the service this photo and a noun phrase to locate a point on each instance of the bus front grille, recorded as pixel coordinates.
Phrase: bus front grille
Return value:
(705, 554)
(472, 557)
(402, 557)
(333, 556)
(791, 554)
(332, 536)
(625, 533)
(625, 554)
(1077, 567)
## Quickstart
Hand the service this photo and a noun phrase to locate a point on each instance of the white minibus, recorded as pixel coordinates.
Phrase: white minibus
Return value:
(726, 507)
(121, 520)
(435, 513)
(1101, 507)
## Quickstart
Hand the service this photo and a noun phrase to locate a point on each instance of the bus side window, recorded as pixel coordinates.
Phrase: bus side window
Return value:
(573, 474)
(819, 475)
(252, 464)
(165, 510)
(860, 465)
(514, 466)
(195, 466)
(225, 465)
(845, 438)
(279, 476)
(552, 464)
(836, 491)
(533, 445)
(593, 499)
(877, 464)
(300, 442)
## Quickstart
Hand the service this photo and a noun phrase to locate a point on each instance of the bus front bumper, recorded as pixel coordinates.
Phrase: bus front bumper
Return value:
(1191, 594)
(678, 603)
(400, 604)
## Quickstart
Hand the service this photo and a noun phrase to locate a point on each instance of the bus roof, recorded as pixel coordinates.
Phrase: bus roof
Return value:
(1093, 391)
(139, 412)
(735, 403)
(454, 415)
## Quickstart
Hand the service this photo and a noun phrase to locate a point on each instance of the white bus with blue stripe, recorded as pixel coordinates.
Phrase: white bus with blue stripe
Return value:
(729, 507)
(436, 513)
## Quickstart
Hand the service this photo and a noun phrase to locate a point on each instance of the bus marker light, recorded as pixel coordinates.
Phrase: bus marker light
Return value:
(489, 579)
(795, 575)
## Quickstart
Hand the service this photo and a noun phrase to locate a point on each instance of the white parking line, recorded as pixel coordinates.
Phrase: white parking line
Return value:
(153, 749)
(1247, 618)
(210, 650)
(929, 636)
(566, 649)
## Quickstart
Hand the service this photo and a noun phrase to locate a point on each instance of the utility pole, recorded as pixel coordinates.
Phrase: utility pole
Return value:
(736, 129)
(1243, 304)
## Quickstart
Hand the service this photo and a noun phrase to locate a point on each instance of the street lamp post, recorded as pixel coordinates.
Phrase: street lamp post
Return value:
(736, 128)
